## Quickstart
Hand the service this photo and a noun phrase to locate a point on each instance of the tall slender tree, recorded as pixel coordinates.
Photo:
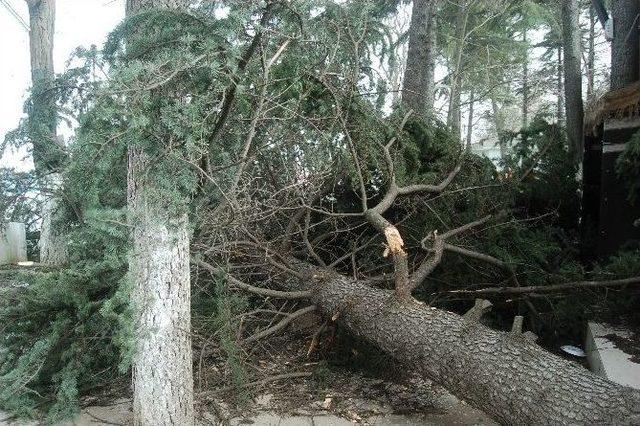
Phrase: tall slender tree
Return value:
(418, 84)
(42, 122)
(525, 80)
(591, 53)
(455, 68)
(470, 117)
(160, 274)
(574, 114)
(560, 87)
(624, 48)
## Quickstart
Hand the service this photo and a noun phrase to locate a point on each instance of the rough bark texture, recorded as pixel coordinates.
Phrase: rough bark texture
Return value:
(470, 119)
(525, 81)
(504, 374)
(591, 54)
(454, 114)
(42, 115)
(624, 48)
(418, 85)
(42, 123)
(572, 77)
(159, 271)
(53, 239)
(560, 87)
(41, 30)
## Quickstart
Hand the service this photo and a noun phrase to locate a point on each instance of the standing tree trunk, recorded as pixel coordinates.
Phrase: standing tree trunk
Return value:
(591, 54)
(498, 124)
(454, 116)
(572, 77)
(525, 81)
(418, 84)
(470, 119)
(160, 274)
(47, 153)
(560, 88)
(624, 48)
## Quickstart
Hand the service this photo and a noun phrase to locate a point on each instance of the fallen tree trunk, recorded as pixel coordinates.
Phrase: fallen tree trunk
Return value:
(504, 374)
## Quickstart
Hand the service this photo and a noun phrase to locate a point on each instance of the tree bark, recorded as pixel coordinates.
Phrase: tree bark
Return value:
(560, 88)
(470, 118)
(159, 272)
(624, 48)
(591, 54)
(42, 115)
(454, 116)
(572, 77)
(418, 84)
(160, 275)
(525, 81)
(53, 240)
(504, 374)
(498, 124)
(47, 153)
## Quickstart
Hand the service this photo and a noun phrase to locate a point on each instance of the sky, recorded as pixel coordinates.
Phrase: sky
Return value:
(78, 23)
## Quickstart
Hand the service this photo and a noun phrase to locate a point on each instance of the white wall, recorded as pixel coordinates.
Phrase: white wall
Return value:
(13, 243)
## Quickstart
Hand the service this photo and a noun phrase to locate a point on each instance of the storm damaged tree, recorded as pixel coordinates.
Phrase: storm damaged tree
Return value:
(302, 193)
(48, 151)
(314, 161)
(302, 258)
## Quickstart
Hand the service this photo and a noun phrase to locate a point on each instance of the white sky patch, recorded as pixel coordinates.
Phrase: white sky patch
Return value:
(222, 12)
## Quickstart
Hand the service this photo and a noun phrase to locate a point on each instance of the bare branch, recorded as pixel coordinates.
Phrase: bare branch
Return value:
(387, 149)
(256, 117)
(434, 189)
(551, 288)
(430, 263)
(280, 325)
(476, 255)
(236, 283)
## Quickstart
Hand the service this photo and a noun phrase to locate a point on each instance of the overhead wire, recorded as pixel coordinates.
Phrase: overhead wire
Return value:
(14, 13)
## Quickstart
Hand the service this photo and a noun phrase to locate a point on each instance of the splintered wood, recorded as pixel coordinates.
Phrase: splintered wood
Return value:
(394, 241)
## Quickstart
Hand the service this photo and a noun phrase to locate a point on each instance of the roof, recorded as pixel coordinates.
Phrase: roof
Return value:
(620, 103)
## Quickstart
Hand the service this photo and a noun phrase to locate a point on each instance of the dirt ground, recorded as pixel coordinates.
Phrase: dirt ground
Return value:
(339, 383)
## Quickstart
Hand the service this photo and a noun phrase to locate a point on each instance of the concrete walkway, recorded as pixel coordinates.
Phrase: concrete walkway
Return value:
(612, 352)
(119, 413)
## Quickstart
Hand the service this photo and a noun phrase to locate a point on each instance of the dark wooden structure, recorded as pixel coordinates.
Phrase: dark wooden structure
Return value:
(609, 220)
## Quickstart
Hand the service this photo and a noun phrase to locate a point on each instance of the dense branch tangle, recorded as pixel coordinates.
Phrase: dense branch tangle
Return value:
(287, 214)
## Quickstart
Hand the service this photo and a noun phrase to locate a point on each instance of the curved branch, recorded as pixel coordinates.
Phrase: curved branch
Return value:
(429, 264)
(266, 292)
(280, 325)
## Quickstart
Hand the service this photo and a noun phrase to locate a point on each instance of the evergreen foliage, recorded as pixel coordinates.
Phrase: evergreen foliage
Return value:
(170, 76)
